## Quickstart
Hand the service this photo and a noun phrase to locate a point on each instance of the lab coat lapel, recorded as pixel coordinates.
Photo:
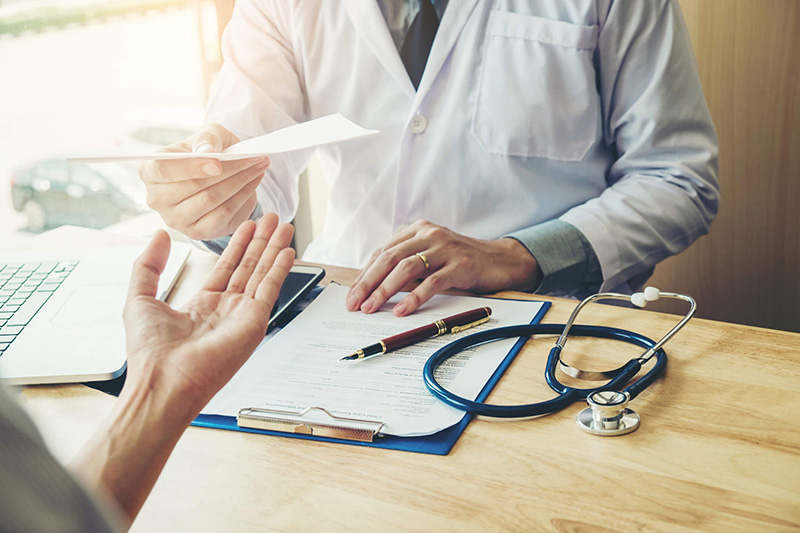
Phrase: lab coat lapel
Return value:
(453, 21)
(371, 27)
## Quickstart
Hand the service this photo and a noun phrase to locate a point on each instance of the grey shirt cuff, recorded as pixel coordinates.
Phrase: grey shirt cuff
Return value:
(219, 244)
(568, 262)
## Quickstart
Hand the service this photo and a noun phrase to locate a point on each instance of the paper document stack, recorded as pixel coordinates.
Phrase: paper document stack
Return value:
(299, 367)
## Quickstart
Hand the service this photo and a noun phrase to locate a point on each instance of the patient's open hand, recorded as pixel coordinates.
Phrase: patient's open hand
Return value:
(189, 354)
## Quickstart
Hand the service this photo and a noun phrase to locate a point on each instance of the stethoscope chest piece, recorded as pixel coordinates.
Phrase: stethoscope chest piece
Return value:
(608, 414)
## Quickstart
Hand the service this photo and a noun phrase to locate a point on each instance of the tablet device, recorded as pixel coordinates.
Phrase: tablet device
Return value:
(299, 282)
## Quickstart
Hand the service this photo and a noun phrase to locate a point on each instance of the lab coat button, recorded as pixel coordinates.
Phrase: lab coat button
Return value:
(418, 124)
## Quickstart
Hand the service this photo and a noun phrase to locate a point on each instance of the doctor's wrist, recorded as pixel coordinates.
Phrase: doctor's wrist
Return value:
(520, 265)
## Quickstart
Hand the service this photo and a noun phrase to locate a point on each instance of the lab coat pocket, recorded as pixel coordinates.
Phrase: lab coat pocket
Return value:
(536, 93)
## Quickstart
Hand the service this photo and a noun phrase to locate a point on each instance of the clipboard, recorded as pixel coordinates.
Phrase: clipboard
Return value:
(303, 426)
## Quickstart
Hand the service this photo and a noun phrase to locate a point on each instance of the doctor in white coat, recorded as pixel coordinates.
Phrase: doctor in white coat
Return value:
(560, 146)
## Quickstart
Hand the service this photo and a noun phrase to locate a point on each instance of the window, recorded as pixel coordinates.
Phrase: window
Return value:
(93, 75)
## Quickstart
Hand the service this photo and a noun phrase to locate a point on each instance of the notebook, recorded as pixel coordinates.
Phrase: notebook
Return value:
(61, 312)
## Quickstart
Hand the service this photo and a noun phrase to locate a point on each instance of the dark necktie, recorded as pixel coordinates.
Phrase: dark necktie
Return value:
(418, 41)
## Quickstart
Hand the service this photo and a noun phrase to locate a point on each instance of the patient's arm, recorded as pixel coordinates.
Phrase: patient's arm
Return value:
(177, 360)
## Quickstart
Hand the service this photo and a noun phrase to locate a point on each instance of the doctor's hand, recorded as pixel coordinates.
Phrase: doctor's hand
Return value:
(203, 198)
(178, 360)
(443, 260)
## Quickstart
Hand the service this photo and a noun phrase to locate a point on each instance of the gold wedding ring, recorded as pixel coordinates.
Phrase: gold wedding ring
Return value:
(424, 261)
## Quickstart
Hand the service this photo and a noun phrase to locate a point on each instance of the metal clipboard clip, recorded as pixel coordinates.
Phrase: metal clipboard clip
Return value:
(314, 421)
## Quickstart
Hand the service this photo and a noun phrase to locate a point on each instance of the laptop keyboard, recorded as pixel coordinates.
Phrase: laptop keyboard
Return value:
(24, 289)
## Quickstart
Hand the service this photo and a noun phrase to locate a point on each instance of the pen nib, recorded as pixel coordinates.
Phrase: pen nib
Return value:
(350, 357)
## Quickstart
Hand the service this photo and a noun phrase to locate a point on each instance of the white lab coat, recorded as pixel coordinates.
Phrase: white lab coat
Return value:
(588, 111)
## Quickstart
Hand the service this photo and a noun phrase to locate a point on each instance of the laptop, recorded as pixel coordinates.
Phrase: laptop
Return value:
(61, 312)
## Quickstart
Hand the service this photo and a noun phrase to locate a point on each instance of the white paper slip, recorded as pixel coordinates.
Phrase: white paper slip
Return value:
(300, 367)
(325, 130)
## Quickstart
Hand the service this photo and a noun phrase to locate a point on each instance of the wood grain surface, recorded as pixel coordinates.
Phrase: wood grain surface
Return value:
(718, 449)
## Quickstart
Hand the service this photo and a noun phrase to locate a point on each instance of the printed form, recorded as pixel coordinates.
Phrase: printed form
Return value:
(318, 132)
(300, 367)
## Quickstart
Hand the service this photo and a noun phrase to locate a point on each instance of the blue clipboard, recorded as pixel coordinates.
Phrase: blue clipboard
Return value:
(439, 443)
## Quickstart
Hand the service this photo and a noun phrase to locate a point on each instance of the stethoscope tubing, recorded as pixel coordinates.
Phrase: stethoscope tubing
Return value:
(566, 395)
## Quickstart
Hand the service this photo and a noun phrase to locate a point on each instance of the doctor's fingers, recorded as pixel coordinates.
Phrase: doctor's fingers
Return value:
(190, 207)
(204, 170)
(188, 200)
(418, 229)
(443, 279)
(386, 275)
(211, 138)
(419, 236)
(223, 219)
(410, 268)
(399, 237)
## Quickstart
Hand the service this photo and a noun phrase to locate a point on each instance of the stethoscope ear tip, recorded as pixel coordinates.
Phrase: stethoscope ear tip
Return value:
(638, 299)
(650, 294)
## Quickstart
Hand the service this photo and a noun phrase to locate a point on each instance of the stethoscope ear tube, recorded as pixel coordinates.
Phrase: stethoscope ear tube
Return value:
(621, 377)
(566, 395)
(483, 409)
(645, 381)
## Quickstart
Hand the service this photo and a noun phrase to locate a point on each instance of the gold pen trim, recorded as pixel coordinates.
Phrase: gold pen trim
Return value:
(441, 327)
(458, 329)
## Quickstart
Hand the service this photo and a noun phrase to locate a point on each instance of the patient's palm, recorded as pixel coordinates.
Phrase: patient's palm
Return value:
(207, 340)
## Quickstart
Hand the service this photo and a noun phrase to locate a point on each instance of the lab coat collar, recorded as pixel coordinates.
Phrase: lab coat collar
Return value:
(453, 21)
(371, 27)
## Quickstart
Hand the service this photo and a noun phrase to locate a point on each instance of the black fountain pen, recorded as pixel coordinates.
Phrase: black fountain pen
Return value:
(451, 324)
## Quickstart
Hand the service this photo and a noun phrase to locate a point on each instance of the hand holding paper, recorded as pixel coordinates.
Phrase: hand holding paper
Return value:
(206, 186)
(325, 130)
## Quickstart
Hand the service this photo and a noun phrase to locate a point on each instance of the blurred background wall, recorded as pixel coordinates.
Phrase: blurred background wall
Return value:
(747, 270)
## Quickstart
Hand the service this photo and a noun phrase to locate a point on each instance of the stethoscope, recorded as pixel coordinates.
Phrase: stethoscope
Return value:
(608, 413)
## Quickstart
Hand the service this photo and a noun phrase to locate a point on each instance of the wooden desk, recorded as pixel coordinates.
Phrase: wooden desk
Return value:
(718, 450)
